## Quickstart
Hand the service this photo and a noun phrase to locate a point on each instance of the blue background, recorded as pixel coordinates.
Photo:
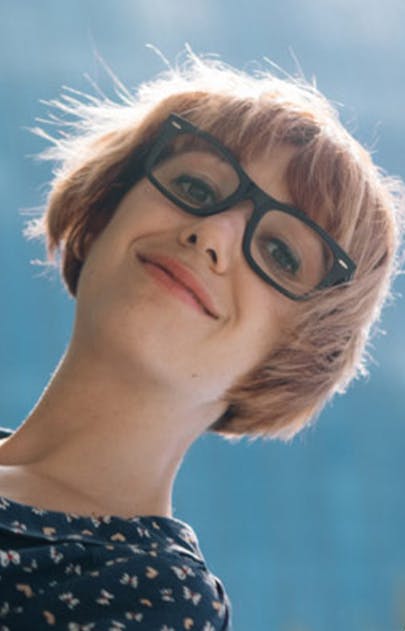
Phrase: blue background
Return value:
(307, 536)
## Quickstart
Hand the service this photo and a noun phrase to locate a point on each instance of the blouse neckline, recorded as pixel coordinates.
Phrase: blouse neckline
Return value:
(12, 512)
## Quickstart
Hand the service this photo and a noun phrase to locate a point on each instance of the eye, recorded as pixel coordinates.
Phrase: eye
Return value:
(277, 252)
(194, 190)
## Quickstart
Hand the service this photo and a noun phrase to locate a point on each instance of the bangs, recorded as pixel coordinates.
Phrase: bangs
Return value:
(249, 128)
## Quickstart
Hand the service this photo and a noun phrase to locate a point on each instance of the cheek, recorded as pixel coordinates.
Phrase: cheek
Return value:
(271, 315)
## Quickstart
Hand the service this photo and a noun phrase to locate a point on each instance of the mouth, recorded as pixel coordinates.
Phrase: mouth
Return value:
(173, 282)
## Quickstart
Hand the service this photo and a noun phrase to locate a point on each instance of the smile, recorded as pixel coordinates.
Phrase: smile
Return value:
(175, 287)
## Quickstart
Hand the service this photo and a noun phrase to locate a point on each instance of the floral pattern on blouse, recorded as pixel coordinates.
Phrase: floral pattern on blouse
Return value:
(78, 573)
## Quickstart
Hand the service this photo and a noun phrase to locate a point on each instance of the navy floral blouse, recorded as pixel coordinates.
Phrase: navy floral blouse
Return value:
(79, 573)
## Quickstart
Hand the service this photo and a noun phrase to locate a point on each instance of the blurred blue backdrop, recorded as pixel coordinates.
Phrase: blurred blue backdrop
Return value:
(309, 536)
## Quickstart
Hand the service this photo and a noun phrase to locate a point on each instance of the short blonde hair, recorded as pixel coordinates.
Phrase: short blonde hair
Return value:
(331, 177)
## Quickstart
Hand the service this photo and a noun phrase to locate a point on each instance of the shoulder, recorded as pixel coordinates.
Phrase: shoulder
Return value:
(158, 592)
(177, 591)
(114, 580)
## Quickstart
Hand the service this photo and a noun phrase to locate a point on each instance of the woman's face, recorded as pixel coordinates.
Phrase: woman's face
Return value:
(131, 313)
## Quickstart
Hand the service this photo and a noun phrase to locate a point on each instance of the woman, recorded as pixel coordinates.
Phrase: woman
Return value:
(229, 246)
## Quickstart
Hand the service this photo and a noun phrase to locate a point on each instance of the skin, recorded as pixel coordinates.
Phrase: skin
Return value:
(144, 373)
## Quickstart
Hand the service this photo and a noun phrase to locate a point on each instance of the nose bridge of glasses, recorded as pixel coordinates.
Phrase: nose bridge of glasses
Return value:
(259, 198)
(250, 197)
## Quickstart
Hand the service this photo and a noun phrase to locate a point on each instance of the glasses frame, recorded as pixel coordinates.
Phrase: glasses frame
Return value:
(343, 266)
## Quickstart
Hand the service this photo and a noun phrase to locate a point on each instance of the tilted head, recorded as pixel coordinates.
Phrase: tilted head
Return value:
(330, 177)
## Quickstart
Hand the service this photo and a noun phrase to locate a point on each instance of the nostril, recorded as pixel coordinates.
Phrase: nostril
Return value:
(213, 255)
(192, 238)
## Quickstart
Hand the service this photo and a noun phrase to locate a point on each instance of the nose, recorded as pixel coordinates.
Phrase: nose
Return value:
(219, 236)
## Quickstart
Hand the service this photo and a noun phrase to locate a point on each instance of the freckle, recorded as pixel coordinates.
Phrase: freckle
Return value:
(194, 375)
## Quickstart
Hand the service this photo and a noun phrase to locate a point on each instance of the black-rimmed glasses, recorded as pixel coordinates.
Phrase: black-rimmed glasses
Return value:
(282, 245)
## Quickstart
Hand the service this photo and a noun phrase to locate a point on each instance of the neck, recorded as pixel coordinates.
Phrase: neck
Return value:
(119, 445)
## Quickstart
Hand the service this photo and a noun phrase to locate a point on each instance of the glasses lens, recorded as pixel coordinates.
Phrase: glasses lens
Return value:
(290, 252)
(195, 172)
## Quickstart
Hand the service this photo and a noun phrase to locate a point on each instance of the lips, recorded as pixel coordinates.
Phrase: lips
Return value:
(185, 277)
